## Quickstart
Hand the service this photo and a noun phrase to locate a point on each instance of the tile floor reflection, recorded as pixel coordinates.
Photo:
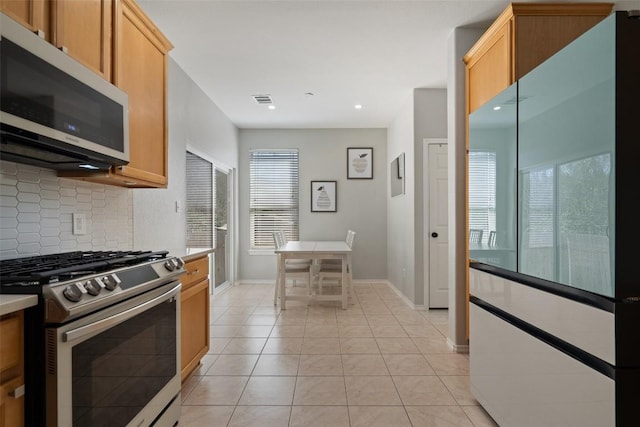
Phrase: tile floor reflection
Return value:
(378, 363)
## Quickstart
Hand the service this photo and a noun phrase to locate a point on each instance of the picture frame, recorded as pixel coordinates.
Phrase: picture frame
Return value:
(324, 196)
(360, 163)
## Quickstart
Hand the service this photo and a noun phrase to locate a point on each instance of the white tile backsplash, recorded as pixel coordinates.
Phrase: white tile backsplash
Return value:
(36, 208)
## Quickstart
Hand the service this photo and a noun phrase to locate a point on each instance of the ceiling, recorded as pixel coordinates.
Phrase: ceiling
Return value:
(316, 59)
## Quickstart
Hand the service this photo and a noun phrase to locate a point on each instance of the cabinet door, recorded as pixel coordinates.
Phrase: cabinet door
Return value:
(84, 29)
(140, 70)
(490, 70)
(194, 326)
(33, 14)
(11, 370)
(12, 403)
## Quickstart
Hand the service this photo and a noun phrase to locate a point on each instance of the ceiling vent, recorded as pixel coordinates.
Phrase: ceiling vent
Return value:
(263, 99)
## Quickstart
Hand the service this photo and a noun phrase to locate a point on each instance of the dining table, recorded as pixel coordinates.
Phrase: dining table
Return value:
(315, 250)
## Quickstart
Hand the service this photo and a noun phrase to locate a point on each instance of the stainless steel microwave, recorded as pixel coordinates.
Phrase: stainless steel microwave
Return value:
(55, 112)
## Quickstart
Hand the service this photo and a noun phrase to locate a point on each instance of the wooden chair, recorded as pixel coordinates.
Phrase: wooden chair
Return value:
(475, 235)
(351, 235)
(332, 268)
(294, 269)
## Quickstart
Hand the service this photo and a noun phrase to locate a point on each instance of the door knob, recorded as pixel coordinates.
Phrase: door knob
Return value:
(434, 234)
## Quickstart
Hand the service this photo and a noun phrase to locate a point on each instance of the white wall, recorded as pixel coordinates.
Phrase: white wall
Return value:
(424, 115)
(194, 120)
(361, 206)
(400, 209)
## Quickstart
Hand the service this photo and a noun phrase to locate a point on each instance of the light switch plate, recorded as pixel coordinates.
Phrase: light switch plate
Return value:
(79, 223)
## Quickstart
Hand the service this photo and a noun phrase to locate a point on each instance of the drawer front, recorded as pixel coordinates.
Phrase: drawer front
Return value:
(522, 381)
(197, 270)
(10, 341)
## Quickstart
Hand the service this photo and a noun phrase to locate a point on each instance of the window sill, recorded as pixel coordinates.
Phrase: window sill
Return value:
(261, 252)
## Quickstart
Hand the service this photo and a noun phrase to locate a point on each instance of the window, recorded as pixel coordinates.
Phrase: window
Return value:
(482, 191)
(199, 202)
(274, 196)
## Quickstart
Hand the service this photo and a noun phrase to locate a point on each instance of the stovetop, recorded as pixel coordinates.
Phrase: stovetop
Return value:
(74, 284)
(45, 269)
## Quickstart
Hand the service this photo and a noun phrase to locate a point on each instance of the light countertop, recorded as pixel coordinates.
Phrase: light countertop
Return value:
(196, 254)
(11, 303)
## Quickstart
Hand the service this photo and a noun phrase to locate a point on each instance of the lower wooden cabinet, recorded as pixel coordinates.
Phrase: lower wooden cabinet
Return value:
(194, 314)
(11, 370)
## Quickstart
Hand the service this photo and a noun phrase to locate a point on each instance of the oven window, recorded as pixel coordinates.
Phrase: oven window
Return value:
(118, 372)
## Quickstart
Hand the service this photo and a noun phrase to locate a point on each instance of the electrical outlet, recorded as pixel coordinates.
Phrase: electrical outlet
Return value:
(79, 223)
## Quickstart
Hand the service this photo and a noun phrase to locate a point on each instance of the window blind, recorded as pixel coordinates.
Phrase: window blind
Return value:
(482, 191)
(539, 219)
(199, 202)
(274, 196)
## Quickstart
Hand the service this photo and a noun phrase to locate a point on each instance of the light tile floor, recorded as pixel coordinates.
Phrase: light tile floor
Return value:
(378, 363)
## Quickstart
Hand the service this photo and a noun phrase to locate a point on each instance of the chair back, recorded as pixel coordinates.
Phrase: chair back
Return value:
(278, 239)
(475, 235)
(351, 235)
(492, 238)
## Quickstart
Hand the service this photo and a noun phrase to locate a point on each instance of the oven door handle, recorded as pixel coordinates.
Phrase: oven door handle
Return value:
(111, 321)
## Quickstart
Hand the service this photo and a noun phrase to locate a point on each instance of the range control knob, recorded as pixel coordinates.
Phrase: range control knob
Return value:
(110, 282)
(93, 287)
(169, 265)
(72, 293)
(179, 262)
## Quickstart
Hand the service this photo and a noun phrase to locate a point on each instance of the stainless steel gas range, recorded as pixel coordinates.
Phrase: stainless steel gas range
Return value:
(102, 345)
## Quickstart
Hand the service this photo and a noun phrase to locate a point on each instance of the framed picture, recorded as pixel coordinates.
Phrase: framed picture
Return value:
(324, 196)
(359, 163)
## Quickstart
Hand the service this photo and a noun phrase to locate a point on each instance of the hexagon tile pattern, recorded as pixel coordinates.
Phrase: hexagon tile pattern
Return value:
(36, 208)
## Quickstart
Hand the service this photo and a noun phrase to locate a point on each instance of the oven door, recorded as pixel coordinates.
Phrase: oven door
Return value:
(119, 366)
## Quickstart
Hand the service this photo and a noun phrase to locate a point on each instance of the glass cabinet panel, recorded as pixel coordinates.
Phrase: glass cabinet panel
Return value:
(566, 144)
(492, 181)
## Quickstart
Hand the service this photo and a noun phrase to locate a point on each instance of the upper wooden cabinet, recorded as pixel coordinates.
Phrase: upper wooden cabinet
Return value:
(33, 14)
(140, 69)
(139, 64)
(521, 38)
(83, 29)
(117, 40)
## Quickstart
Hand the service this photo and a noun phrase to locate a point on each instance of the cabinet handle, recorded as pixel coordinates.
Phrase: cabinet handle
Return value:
(196, 271)
(17, 392)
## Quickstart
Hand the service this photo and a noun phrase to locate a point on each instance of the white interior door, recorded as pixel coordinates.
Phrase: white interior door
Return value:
(437, 232)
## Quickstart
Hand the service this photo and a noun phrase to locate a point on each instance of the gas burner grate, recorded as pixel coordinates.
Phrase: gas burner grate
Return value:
(45, 269)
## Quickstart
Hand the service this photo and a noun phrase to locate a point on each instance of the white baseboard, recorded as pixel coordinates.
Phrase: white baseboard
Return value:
(404, 297)
(457, 348)
(255, 282)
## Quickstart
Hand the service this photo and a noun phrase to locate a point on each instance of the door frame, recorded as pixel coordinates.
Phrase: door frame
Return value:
(231, 221)
(426, 217)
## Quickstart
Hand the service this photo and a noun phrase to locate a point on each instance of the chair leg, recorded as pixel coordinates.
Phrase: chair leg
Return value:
(275, 292)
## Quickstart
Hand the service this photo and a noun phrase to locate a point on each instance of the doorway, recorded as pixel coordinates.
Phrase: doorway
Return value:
(436, 220)
(209, 215)
(221, 219)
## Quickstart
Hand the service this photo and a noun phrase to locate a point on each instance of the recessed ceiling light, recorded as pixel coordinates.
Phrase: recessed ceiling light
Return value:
(497, 108)
(358, 107)
(272, 107)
